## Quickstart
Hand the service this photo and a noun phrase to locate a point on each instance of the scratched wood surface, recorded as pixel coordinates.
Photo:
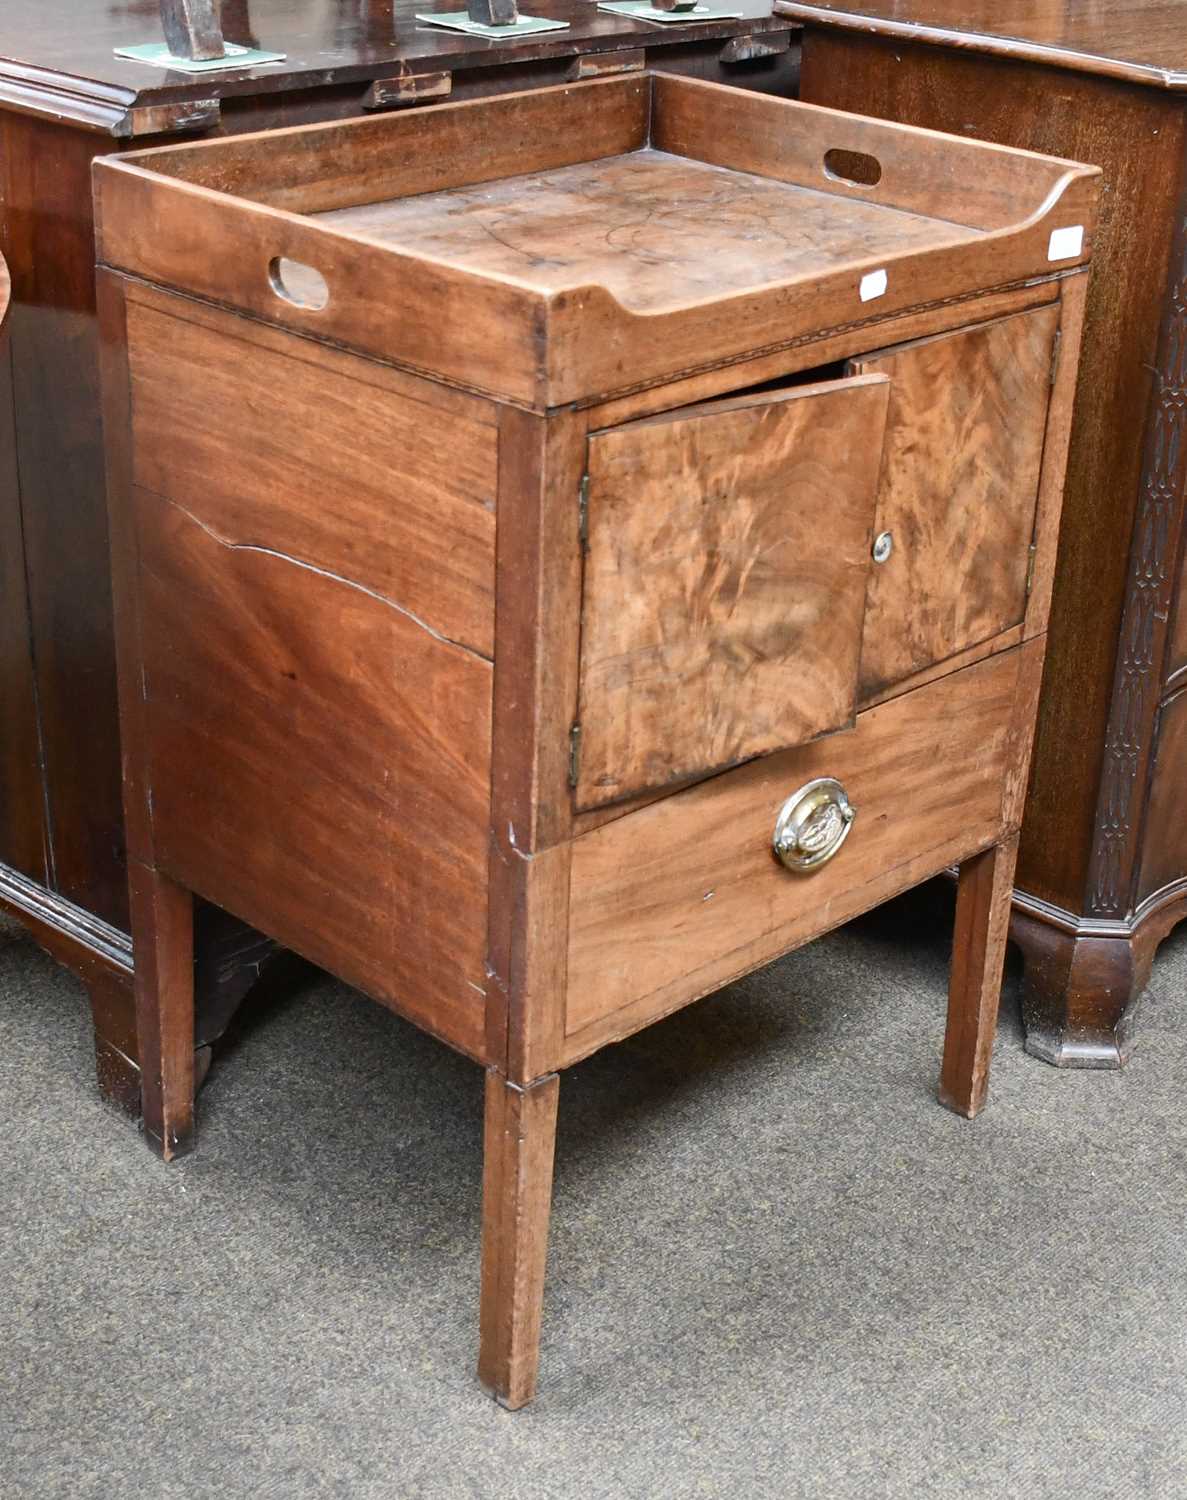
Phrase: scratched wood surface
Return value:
(960, 481)
(724, 584)
(320, 755)
(654, 229)
(672, 901)
(606, 303)
(283, 425)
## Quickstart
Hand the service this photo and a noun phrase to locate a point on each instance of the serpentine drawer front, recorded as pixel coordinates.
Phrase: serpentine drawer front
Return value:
(571, 548)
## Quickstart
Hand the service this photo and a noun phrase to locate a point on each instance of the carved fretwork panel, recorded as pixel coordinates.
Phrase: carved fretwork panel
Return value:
(1143, 643)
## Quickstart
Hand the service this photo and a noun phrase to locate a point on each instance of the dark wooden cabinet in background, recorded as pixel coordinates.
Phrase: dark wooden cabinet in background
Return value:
(1102, 873)
(65, 99)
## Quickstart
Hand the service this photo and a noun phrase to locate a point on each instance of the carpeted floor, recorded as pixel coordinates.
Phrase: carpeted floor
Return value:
(777, 1269)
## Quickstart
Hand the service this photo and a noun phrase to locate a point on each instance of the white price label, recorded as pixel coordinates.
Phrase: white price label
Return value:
(1066, 244)
(873, 284)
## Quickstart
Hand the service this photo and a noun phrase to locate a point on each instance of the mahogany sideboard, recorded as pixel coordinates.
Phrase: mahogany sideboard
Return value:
(1102, 872)
(64, 100)
(570, 549)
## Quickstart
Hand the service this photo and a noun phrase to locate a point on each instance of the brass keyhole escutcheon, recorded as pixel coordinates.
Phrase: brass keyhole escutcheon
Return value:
(812, 825)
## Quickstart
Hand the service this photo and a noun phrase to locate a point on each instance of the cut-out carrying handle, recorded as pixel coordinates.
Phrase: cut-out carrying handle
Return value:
(298, 284)
(854, 168)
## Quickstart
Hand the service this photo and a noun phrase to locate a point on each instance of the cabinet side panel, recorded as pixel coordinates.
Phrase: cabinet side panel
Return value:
(23, 841)
(257, 431)
(48, 241)
(1166, 813)
(319, 753)
(1177, 653)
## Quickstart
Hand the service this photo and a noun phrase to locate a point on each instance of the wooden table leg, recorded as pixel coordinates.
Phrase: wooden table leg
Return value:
(974, 990)
(163, 945)
(516, 1198)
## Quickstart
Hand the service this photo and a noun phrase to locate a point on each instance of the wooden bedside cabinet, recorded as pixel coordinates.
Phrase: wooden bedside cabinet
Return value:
(583, 544)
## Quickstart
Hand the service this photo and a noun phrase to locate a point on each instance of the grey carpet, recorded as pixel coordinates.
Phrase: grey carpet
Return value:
(777, 1267)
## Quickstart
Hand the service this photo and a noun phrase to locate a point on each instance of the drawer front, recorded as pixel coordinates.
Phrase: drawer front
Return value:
(959, 487)
(725, 578)
(672, 901)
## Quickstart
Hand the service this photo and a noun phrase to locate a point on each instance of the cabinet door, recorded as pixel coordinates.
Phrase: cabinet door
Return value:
(960, 482)
(725, 579)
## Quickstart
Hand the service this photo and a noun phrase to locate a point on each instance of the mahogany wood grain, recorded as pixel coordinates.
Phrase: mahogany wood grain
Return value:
(1056, 446)
(64, 527)
(960, 482)
(230, 695)
(416, 459)
(330, 765)
(516, 1201)
(1021, 744)
(587, 821)
(300, 710)
(978, 957)
(316, 169)
(541, 461)
(636, 224)
(385, 300)
(528, 957)
(1137, 41)
(822, 348)
(1113, 587)
(1177, 656)
(163, 940)
(1084, 979)
(1104, 122)
(915, 174)
(334, 52)
(23, 834)
(1166, 811)
(721, 616)
(686, 894)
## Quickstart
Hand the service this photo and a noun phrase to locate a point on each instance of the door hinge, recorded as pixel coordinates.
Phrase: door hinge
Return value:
(1056, 350)
(1031, 553)
(574, 754)
(583, 512)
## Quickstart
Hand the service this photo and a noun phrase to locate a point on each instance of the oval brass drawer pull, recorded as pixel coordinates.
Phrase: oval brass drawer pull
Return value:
(812, 825)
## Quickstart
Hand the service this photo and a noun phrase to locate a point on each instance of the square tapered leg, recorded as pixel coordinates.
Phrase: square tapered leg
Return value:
(163, 936)
(516, 1199)
(974, 991)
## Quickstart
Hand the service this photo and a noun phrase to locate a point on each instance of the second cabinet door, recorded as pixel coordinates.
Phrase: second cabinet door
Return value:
(959, 487)
(725, 580)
